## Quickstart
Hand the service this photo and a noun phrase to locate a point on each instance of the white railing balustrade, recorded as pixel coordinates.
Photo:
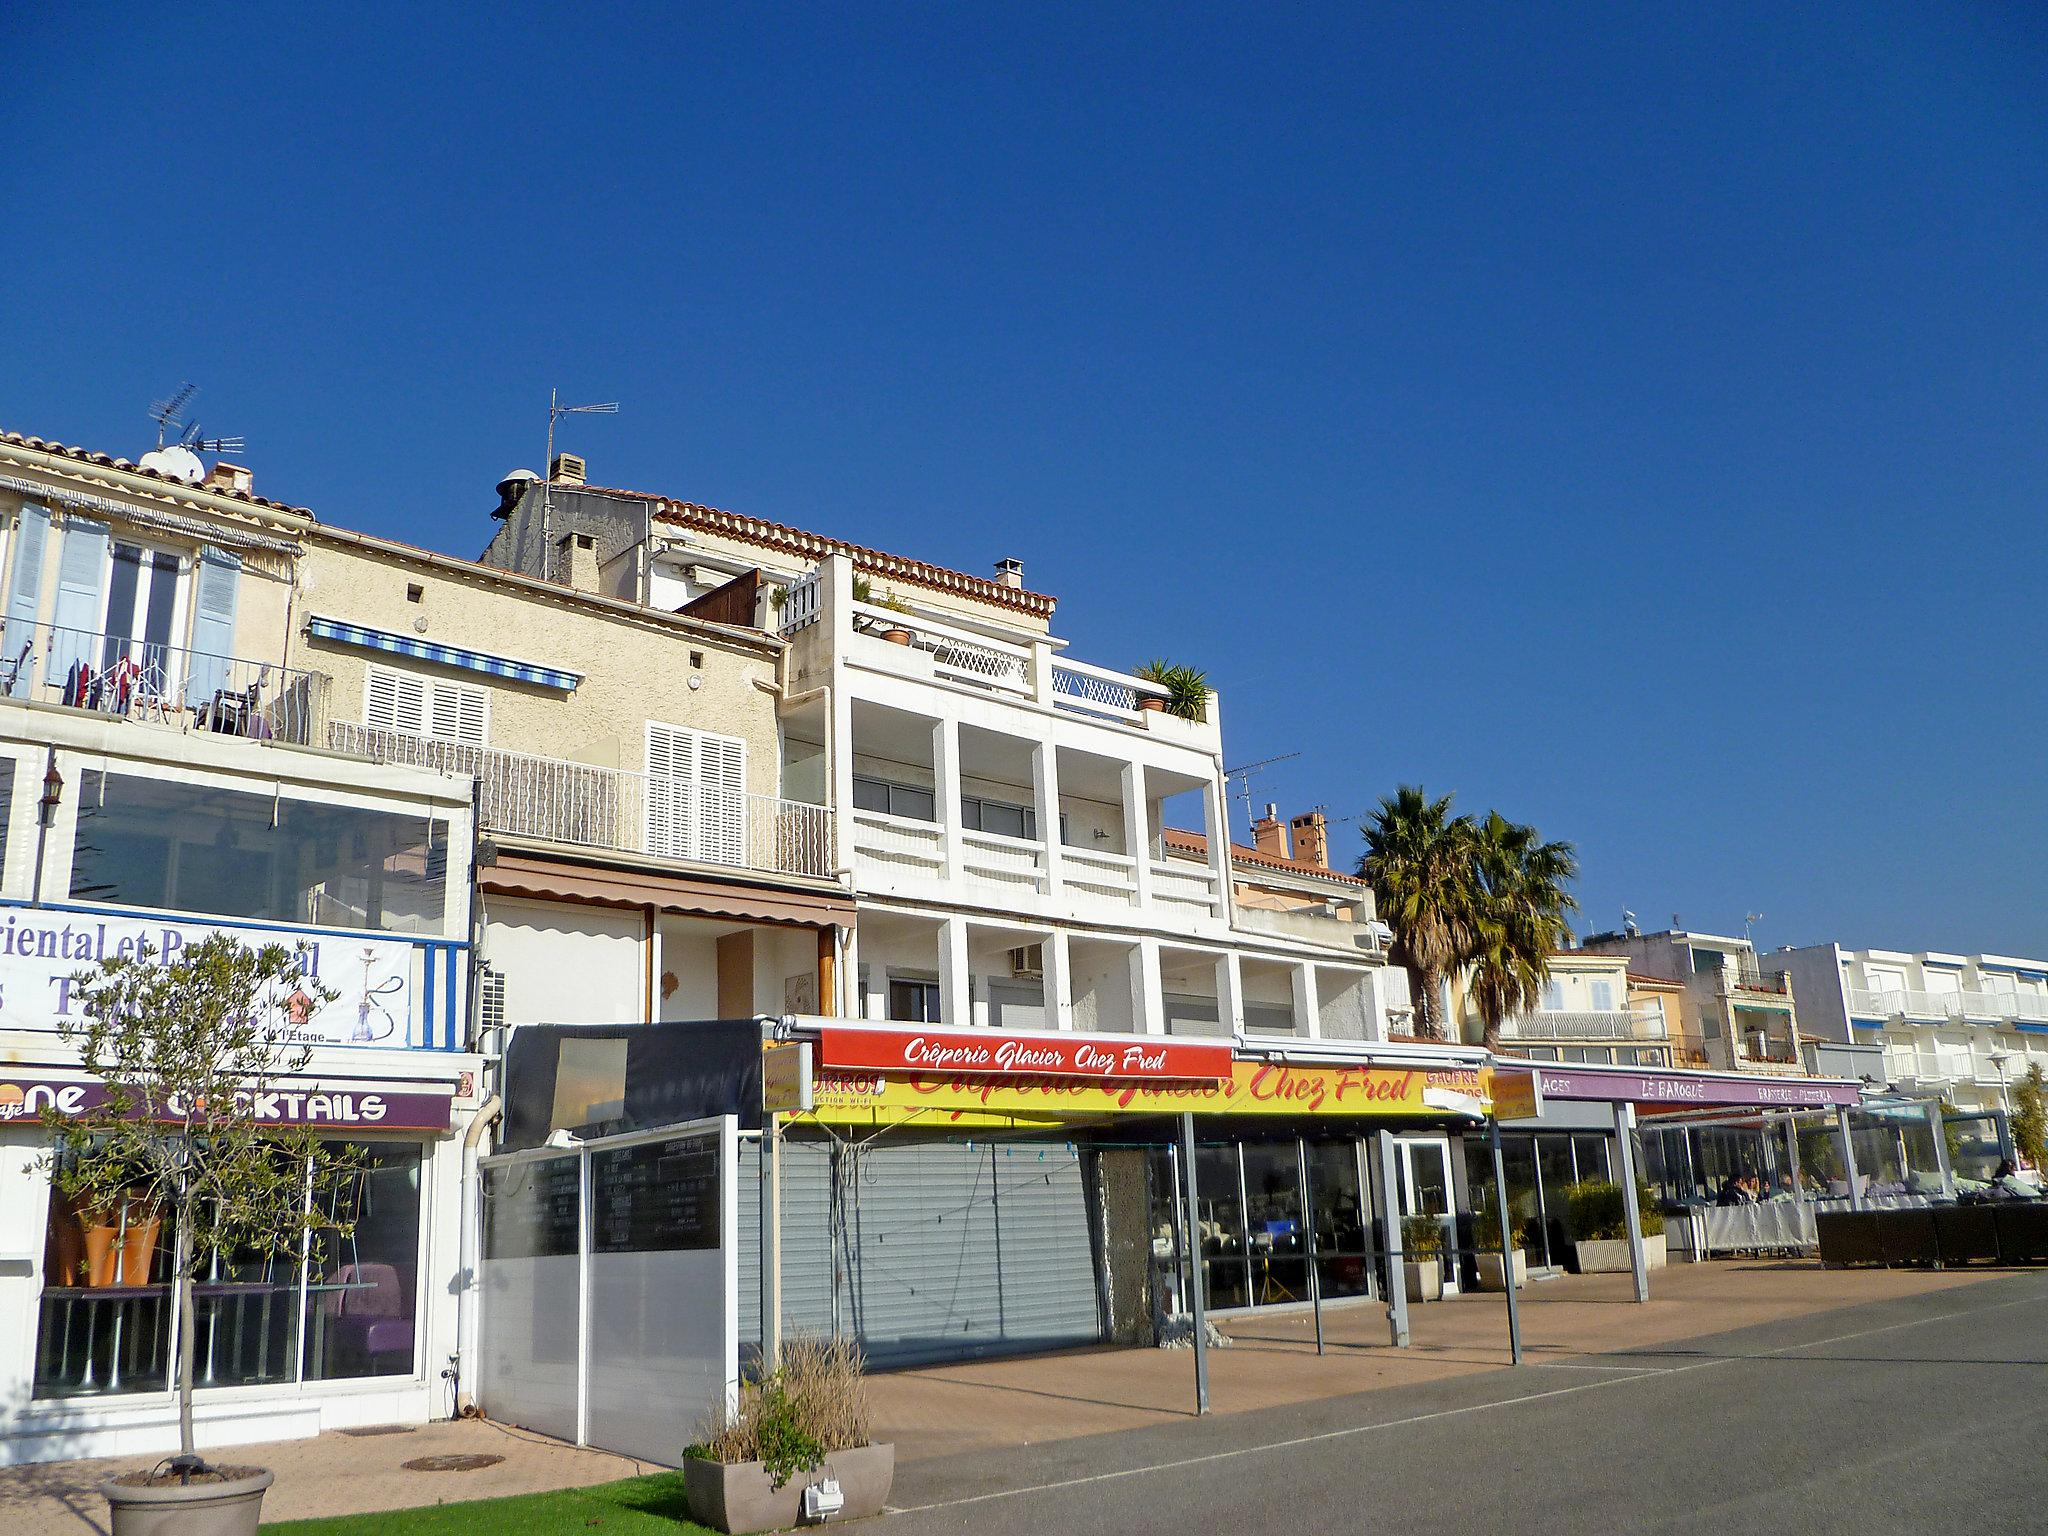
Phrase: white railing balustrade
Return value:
(551, 800)
(1099, 691)
(1010, 862)
(157, 684)
(1585, 1024)
(1111, 877)
(1180, 884)
(801, 603)
(899, 843)
(1913, 1003)
(956, 655)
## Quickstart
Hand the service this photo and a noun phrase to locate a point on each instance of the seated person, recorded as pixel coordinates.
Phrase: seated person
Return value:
(1732, 1192)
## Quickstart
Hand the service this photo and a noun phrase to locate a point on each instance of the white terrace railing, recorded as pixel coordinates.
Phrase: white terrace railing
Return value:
(956, 654)
(1098, 691)
(551, 800)
(1912, 1003)
(1585, 1024)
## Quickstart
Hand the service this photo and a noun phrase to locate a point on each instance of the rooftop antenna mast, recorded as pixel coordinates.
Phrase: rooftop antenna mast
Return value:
(556, 411)
(165, 413)
(1243, 774)
(1748, 921)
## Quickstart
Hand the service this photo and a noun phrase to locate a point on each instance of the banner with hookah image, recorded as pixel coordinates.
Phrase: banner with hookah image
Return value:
(372, 978)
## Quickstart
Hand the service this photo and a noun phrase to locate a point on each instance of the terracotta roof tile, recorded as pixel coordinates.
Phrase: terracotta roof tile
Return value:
(1198, 842)
(108, 461)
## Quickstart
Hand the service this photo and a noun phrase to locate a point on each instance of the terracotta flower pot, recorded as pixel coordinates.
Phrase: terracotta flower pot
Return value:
(232, 1506)
(102, 1251)
(138, 1245)
(895, 634)
(1151, 703)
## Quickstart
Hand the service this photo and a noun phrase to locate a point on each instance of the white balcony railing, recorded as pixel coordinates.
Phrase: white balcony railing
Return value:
(1014, 864)
(1895, 1003)
(1191, 887)
(956, 655)
(1099, 691)
(157, 684)
(1109, 877)
(554, 801)
(900, 845)
(1585, 1024)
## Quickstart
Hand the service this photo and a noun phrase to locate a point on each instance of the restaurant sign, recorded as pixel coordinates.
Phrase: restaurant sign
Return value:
(1002, 1053)
(1249, 1088)
(1700, 1088)
(320, 1105)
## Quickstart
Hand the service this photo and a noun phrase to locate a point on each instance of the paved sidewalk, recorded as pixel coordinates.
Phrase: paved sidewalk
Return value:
(995, 1405)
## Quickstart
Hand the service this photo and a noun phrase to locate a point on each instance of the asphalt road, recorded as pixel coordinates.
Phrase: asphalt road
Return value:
(1928, 1414)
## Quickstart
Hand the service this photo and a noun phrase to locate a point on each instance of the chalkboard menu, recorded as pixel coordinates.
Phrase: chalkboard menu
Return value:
(657, 1196)
(530, 1209)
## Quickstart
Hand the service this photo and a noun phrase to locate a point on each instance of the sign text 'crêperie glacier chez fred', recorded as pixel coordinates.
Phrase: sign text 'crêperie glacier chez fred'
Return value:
(1008, 1055)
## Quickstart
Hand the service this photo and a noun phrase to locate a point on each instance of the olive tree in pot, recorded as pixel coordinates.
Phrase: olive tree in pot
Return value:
(803, 1427)
(181, 1047)
(1599, 1221)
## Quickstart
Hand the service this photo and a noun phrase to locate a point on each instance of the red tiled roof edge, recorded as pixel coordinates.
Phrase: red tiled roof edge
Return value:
(1240, 854)
(108, 461)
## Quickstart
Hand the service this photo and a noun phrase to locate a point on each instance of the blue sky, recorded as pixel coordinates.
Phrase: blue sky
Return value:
(1631, 420)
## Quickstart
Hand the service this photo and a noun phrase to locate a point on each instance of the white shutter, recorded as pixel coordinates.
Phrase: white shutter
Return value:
(461, 713)
(419, 706)
(696, 794)
(395, 701)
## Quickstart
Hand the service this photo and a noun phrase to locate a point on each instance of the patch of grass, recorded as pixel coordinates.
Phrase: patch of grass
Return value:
(637, 1506)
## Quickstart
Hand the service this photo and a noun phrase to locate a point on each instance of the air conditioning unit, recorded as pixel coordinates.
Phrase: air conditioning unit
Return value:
(1028, 960)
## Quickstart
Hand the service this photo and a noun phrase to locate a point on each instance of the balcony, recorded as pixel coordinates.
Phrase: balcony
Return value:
(1947, 1007)
(1585, 1024)
(161, 685)
(619, 810)
(1742, 979)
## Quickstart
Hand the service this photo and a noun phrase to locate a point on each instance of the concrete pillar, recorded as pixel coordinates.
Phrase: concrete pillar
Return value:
(1059, 981)
(1625, 1164)
(835, 579)
(852, 1004)
(1138, 830)
(946, 792)
(1308, 1009)
(954, 1002)
(1045, 790)
(1389, 1202)
(1148, 1004)
(1216, 822)
(1230, 992)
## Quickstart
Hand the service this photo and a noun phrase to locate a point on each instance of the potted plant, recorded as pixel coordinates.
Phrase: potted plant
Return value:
(864, 592)
(1485, 1232)
(795, 1446)
(1599, 1220)
(1185, 690)
(180, 1049)
(1422, 1246)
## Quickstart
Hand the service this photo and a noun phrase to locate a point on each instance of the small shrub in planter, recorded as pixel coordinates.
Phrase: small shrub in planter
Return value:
(1599, 1220)
(1490, 1267)
(1422, 1246)
(804, 1424)
(1187, 690)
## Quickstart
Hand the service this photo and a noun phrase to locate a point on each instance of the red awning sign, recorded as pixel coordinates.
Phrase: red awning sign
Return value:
(1000, 1054)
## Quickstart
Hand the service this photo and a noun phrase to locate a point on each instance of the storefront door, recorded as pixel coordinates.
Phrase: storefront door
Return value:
(1426, 1191)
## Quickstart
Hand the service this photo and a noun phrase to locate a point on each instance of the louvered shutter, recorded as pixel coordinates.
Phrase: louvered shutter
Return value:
(213, 624)
(81, 568)
(460, 713)
(696, 794)
(24, 595)
(394, 701)
(671, 773)
(722, 802)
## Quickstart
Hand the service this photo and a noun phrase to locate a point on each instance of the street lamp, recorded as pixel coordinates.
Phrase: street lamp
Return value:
(1998, 1060)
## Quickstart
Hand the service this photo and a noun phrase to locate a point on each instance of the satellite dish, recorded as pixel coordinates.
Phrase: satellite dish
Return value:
(176, 462)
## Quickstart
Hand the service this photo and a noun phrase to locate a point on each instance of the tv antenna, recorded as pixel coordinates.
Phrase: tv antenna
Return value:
(1243, 774)
(165, 412)
(556, 411)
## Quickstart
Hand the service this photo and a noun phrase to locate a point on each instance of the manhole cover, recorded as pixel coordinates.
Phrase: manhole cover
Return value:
(363, 1431)
(470, 1463)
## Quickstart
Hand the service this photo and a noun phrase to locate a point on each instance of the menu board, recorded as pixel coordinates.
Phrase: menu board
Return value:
(531, 1208)
(656, 1196)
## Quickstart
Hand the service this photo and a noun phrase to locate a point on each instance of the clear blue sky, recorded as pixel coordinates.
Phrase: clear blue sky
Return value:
(1629, 419)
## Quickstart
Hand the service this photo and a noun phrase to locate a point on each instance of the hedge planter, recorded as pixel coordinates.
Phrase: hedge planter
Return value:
(738, 1496)
(1489, 1267)
(1425, 1279)
(230, 1507)
(1609, 1256)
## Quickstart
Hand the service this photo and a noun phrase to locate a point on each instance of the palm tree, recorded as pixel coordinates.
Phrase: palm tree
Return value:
(1418, 860)
(1520, 913)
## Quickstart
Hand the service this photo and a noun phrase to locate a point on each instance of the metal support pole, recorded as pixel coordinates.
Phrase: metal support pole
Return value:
(1197, 1307)
(1507, 1242)
(1936, 1124)
(771, 1243)
(1308, 1216)
(1849, 1157)
(1792, 1157)
(1390, 1223)
(1625, 1156)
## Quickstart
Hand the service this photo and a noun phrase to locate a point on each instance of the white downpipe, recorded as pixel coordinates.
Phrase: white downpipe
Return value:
(472, 1233)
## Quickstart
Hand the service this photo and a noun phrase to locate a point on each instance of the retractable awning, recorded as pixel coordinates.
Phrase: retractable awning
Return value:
(365, 638)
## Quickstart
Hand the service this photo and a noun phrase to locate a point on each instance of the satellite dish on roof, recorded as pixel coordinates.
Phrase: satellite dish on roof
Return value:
(176, 462)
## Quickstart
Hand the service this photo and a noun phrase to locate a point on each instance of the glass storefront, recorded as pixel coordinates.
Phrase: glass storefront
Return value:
(1539, 1168)
(345, 1308)
(1261, 1205)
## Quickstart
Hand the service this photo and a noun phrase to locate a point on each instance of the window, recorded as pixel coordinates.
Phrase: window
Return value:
(696, 794)
(1603, 994)
(415, 705)
(142, 599)
(913, 1001)
(180, 847)
(981, 814)
(345, 1308)
(910, 801)
(1553, 996)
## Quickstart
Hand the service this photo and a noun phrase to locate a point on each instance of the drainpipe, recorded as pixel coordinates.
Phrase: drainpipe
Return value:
(472, 1226)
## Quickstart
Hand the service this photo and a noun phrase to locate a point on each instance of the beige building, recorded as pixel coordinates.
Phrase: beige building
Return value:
(1590, 1010)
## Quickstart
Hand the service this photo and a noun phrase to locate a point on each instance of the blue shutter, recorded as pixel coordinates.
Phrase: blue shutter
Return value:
(213, 624)
(24, 593)
(81, 568)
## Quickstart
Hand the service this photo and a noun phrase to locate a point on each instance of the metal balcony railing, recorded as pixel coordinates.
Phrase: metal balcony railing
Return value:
(155, 683)
(1909, 1003)
(1585, 1024)
(554, 801)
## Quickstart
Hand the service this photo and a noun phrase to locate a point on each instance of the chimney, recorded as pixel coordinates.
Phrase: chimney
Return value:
(228, 477)
(1010, 573)
(1312, 839)
(1268, 836)
(568, 469)
(576, 562)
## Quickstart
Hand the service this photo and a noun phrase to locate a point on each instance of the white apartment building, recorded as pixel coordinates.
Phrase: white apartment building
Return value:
(1963, 1026)
(1004, 809)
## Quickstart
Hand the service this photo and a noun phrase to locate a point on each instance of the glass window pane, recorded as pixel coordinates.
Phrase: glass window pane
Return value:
(1273, 1222)
(360, 1312)
(916, 804)
(1221, 1204)
(1342, 1243)
(105, 1324)
(6, 792)
(870, 794)
(195, 848)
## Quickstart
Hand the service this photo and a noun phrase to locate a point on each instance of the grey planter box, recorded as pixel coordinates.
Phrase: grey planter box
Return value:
(202, 1509)
(1425, 1278)
(1609, 1256)
(739, 1498)
(1489, 1267)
